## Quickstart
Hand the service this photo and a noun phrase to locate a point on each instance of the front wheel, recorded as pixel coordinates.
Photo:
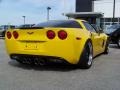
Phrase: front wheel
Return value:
(106, 51)
(118, 42)
(86, 58)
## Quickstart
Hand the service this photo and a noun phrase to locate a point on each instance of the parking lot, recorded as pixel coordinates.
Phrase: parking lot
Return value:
(103, 75)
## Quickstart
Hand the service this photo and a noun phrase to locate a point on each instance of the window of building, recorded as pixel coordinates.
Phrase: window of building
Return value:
(115, 19)
(107, 23)
(108, 20)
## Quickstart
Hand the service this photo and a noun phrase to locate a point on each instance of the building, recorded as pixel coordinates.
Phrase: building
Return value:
(103, 6)
(99, 6)
(106, 6)
(84, 5)
(84, 10)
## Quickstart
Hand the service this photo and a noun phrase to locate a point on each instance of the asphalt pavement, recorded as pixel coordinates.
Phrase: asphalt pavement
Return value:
(103, 75)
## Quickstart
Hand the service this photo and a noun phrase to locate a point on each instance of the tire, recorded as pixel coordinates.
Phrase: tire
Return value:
(118, 42)
(86, 58)
(106, 51)
(3, 34)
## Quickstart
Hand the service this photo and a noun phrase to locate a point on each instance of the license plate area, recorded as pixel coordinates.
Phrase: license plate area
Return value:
(31, 46)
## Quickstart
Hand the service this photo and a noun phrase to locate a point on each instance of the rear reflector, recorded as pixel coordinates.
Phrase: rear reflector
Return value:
(15, 34)
(51, 34)
(62, 34)
(9, 35)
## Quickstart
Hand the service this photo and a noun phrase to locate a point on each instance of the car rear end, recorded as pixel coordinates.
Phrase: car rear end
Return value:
(48, 42)
(59, 39)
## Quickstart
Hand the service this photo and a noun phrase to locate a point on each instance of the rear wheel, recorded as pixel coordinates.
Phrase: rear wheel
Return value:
(106, 51)
(86, 56)
(118, 42)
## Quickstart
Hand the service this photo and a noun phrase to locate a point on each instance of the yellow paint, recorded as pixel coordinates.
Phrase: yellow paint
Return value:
(69, 49)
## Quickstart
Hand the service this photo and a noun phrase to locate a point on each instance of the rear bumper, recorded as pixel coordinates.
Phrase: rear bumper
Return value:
(67, 50)
(66, 55)
(37, 59)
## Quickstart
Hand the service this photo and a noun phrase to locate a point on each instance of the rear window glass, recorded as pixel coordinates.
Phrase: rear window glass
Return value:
(25, 26)
(61, 24)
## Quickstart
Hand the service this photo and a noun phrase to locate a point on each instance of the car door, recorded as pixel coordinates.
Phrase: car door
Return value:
(103, 39)
(102, 42)
(95, 37)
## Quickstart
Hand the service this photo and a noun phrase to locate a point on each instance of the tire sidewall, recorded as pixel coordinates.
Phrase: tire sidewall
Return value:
(83, 62)
(106, 51)
(118, 42)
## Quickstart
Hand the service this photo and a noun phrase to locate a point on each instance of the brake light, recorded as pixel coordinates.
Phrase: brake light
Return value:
(62, 34)
(9, 35)
(51, 34)
(15, 34)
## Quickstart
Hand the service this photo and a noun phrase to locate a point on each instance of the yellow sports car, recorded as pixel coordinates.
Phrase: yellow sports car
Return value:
(71, 41)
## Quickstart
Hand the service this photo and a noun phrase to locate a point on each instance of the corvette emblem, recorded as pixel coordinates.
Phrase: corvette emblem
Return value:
(30, 33)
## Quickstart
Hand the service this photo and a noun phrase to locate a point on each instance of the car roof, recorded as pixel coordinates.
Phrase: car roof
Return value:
(69, 20)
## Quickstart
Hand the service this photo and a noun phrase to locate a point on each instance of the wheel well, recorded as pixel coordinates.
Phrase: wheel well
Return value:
(89, 40)
(118, 36)
(82, 59)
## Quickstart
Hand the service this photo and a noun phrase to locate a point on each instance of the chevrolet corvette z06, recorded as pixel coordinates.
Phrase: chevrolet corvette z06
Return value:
(71, 41)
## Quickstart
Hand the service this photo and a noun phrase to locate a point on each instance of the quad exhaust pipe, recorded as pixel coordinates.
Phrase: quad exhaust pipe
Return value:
(35, 60)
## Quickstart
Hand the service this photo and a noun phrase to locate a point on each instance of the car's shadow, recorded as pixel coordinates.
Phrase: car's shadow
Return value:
(114, 46)
(53, 67)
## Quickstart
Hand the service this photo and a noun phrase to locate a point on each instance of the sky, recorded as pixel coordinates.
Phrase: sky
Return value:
(11, 11)
(106, 6)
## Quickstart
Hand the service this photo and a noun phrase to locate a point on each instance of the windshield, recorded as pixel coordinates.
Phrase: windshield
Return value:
(61, 24)
(112, 28)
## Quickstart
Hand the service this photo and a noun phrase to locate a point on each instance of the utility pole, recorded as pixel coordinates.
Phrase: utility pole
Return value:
(24, 17)
(48, 13)
(113, 12)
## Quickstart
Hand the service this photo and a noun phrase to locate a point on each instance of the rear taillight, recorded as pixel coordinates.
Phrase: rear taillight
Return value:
(51, 34)
(9, 35)
(62, 34)
(15, 34)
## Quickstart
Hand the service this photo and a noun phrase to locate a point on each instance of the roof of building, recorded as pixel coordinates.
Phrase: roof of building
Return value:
(84, 14)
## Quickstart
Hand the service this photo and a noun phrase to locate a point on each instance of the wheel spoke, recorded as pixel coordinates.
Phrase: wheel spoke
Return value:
(119, 42)
(90, 56)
